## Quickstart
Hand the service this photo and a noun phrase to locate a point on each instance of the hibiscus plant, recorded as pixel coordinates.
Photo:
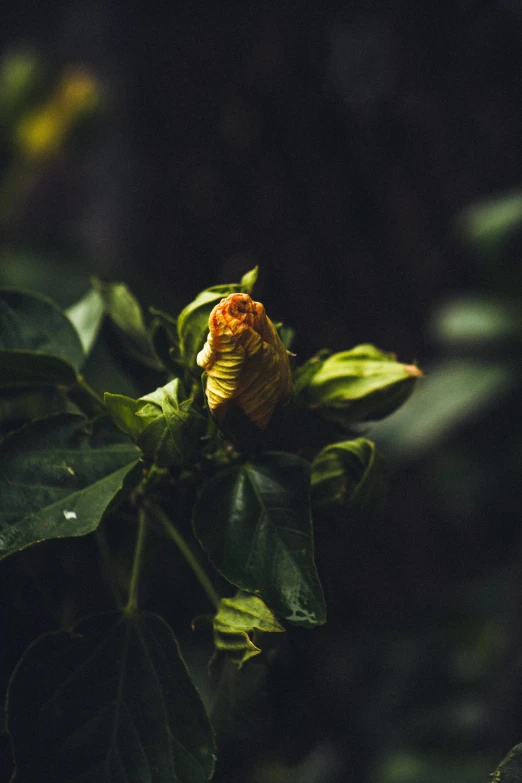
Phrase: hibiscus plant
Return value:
(225, 463)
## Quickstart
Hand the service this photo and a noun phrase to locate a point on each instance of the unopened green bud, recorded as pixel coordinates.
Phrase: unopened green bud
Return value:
(357, 385)
(347, 475)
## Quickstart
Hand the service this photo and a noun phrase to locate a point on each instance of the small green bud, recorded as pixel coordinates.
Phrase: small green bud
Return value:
(347, 474)
(357, 385)
(166, 427)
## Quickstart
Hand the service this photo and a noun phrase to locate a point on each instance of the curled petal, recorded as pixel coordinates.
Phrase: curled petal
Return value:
(245, 361)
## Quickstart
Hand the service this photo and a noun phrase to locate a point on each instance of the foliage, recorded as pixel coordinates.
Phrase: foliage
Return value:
(70, 469)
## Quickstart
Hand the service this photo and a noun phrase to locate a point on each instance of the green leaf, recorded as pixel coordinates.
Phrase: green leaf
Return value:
(58, 476)
(86, 316)
(510, 769)
(122, 410)
(286, 335)
(173, 427)
(111, 701)
(254, 522)
(193, 319)
(347, 474)
(21, 369)
(238, 704)
(165, 426)
(249, 280)
(304, 374)
(17, 406)
(38, 344)
(360, 384)
(125, 311)
(164, 337)
(236, 620)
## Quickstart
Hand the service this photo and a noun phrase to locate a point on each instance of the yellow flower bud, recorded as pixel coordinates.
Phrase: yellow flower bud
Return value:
(246, 363)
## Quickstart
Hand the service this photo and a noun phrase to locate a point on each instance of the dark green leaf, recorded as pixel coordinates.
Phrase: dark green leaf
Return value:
(57, 477)
(347, 474)
(360, 384)
(254, 522)
(238, 705)
(235, 622)
(510, 770)
(38, 343)
(86, 316)
(124, 310)
(17, 406)
(193, 319)
(20, 369)
(111, 702)
(164, 337)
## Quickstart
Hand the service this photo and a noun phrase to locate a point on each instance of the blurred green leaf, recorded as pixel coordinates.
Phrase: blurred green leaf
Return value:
(29, 270)
(19, 75)
(86, 316)
(347, 474)
(451, 394)
(479, 320)
(136, 714)
(432, 768)
(235, 622)
(38, 344)
(193, 319)
(59, 475)
(356, 385)
(254, 522)
(489, 224)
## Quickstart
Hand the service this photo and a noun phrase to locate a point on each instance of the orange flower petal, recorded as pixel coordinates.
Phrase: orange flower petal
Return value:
(246, 363)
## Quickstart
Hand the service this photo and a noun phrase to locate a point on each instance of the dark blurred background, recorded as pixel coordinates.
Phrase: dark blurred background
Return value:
(367, 156)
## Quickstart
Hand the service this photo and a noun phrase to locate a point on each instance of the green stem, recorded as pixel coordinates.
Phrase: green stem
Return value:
(173, 533)
(132, 603)
(86, 398)
(92, 392)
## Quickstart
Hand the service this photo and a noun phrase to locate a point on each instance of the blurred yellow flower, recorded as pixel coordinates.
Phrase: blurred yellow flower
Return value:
(43, 131)
(246, 363)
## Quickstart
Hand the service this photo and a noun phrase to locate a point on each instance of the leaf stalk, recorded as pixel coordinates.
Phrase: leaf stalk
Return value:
(173, 533)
